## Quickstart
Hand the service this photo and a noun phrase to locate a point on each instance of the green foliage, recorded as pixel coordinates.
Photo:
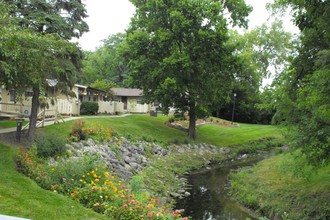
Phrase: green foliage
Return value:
(174, 48)
(303, 101)
(29, 54)
(77, 131)
(272, 188)
(98, 131)
(89, 108)
(106, 62)
(50, 146)
(87, 181)
(63, 17)
(20, 196)
(261, 52)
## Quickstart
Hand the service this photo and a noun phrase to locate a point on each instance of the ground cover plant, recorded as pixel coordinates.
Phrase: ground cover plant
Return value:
(22, 197)
(132, 127)
(88, 181)
(282, 187)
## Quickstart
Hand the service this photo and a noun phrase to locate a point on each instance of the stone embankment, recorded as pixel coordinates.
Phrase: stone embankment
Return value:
(127, 158)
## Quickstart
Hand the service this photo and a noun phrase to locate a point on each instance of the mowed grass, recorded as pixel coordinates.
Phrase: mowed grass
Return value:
(225, 136)
(155, 129)
(21, 197)
(136, 126)
(9, 124)
(273, 188)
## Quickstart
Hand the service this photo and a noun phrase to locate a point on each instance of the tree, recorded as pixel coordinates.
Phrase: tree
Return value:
(105, 86)
(179, 54)
(262, 52)
(107, 61)
(63, 17)
(303, 90)
(39, 50)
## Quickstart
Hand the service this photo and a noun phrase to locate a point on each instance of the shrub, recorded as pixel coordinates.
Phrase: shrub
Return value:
(77, 131)
(50, 146)
(89, 108)
(98, 132)
(88, 182)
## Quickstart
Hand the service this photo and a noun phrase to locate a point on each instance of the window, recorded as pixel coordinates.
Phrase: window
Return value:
(12, 95)
(117, 98)
(28, 94)
(139, 100)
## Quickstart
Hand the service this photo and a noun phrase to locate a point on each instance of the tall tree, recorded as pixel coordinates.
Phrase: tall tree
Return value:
(63, 17)
(303, 100)
(106, 62)
(30, 60)
(179, 54)
(262, 52)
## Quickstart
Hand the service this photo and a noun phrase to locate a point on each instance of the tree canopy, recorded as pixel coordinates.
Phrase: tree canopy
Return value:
(179, 52)
(303, 100)
(29, 55)
(262, 52)
(63, 17)
(106, 62)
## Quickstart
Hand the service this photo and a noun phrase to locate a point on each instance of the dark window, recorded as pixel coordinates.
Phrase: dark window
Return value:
(139, 100)
(28, 94)
(12, 95)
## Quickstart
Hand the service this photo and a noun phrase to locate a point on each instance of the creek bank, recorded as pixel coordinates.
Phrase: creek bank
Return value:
(164, 169)
(127, 158)
(209, 189)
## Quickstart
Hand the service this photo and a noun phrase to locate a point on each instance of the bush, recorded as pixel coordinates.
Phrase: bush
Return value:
(77, 131)
(50, 146)
(97, 131)
(89, 108)
(88, 182)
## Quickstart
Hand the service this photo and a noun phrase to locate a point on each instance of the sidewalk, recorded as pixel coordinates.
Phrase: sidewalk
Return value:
(47, 123)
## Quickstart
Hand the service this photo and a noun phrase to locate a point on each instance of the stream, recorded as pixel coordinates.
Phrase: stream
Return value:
(209, 198)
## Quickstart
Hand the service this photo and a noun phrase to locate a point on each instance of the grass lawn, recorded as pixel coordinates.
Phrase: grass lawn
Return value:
(225, 136)
(154, 128)
(21, 197)
(9, 124)
(272, 187)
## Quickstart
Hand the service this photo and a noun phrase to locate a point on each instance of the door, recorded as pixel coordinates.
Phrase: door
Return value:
(124, 100)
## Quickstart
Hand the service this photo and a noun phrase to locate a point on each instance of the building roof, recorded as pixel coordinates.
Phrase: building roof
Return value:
(127, 92)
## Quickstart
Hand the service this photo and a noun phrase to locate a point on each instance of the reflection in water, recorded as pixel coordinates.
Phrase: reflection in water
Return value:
(209, 188)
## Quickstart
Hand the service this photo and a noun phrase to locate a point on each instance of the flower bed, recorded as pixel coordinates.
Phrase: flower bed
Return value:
(184, 124)
(89, 181)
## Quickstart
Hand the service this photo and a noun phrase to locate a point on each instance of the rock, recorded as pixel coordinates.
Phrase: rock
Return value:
(135, 166)
(224, 150)
(186, 194)
(174, 195)
(181, 150)
(90, 142)
(181, 191)
(127, 159)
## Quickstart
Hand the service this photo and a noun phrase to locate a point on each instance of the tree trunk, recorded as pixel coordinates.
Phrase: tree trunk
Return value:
(34, 114)
(192, 121)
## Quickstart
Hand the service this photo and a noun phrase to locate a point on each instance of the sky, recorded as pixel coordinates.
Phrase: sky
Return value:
(108, 17)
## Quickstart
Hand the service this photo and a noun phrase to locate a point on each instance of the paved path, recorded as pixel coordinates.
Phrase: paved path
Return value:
(6, 217)
(47, 123)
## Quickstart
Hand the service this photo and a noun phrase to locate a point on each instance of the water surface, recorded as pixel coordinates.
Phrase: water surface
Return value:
(209, 193)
